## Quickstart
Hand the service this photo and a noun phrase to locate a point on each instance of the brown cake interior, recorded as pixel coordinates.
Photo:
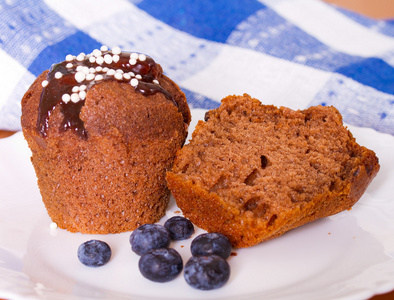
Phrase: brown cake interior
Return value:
(263, 164)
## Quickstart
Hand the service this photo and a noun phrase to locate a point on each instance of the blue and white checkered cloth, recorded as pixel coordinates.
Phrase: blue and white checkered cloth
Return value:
(294, 53)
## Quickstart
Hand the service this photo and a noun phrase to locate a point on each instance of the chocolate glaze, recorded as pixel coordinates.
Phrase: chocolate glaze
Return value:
(145, 70)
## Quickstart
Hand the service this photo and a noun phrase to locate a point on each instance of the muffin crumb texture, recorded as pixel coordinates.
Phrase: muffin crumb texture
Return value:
(254, 171)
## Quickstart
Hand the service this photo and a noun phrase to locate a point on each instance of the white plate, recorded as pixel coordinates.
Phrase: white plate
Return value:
(346, 256)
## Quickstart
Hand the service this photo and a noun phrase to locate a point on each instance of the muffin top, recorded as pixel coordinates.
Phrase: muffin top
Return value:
(67, 84)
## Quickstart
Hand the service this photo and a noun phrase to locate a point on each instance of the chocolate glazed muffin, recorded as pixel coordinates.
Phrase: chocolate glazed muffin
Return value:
(103, 129)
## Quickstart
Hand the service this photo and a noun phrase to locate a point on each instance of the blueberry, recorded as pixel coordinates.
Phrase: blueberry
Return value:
(211, 243)
(206, 272)
(160, 265)
(148, 237)
(179, 228)
(94, 253)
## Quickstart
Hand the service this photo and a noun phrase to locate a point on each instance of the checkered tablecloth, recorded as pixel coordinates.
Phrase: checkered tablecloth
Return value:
(294, 53)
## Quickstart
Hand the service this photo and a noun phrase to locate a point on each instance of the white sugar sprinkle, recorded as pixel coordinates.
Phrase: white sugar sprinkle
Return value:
(131, 74)
(66, 98)
(82, 95)
(111, 72)
(134, 55)
(85, 70)
(104, 48)
(105, 69)
(127, 76)
(156, 81)
(92, 70)
(142, 57)
(75, 89)
(132, 61)
(69, 65)
(92, 59)
(99, 77)
(108, 59)
(44, 83)
(100, 60)
(99, 69)
(134, 82)
(96, 52)
(115, 58)
(119, 71)
(58, 75)
(90, 77)
(79, 76)
(138, 76)
(74, 97)
(53, 226)
(82, 87)
(81, 57)
(79, 68)
(69, 57)
(116, 50)
(118, 76)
